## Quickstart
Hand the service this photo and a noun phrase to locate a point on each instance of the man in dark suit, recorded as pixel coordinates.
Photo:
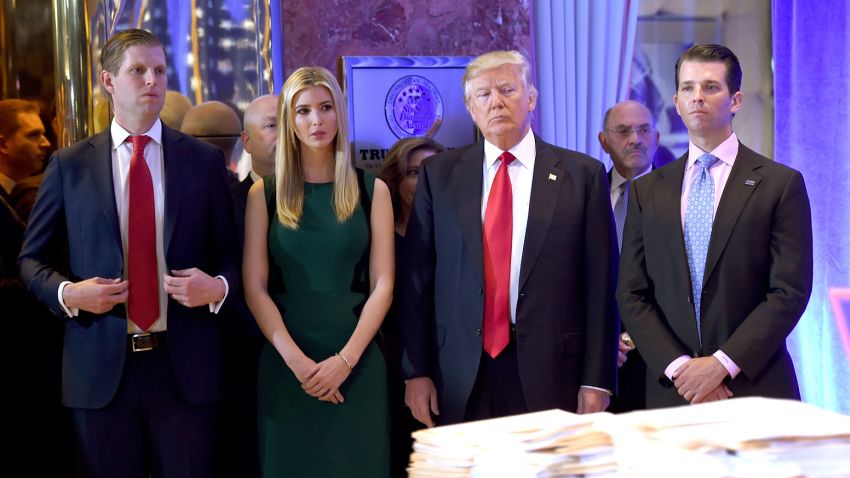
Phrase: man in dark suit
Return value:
(259, 138)
(507, 286)
(146, 217)
(716, 265)
(629, 136)
(238, 454)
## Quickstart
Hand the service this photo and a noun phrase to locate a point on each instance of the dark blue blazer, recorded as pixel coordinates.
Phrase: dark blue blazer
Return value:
(566, 322)
(76, 205)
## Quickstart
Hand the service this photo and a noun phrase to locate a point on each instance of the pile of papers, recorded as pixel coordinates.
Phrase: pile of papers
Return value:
(745, 437)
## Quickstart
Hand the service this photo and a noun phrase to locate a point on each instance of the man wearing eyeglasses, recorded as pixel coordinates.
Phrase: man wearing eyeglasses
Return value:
(630, 138)
(716, 264)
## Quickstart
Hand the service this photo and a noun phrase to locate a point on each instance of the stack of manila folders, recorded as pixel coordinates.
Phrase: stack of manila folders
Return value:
(743, 437)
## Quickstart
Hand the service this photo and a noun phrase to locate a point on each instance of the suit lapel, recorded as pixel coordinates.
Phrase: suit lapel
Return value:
(468, 189)
(668, 203)
(101, 160)
(743, 180)
(544, 195)
(173, 160)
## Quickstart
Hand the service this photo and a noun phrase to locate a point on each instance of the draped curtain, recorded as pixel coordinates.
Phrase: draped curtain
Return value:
(811, 46)
(583, 52)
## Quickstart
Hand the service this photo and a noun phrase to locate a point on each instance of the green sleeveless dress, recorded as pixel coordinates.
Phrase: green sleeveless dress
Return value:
(316, 278)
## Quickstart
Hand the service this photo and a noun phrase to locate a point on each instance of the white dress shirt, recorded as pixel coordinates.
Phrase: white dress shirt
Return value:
(617, 181)
(521, 172)
(725, 152)
(122, 153)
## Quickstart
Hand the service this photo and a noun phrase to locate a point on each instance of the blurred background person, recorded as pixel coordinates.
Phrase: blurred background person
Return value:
(176, 106)
(318, 270)
(218, 124)
(31, 343)
(629, 136)
(400, 171)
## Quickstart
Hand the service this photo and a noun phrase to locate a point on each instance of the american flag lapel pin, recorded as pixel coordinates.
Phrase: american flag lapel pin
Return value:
(750, 182)
(552, 177)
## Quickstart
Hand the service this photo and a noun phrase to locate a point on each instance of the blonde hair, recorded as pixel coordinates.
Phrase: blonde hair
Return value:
(495, 59)
(289, 172)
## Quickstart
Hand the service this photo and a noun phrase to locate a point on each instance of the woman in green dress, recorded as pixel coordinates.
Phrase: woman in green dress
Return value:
(318, 275)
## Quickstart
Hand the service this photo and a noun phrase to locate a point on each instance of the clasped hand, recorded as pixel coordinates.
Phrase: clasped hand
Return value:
(322, 380)
(701, 380)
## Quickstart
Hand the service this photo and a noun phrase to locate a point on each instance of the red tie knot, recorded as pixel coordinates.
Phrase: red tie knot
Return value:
(139, 142)
(507, 158)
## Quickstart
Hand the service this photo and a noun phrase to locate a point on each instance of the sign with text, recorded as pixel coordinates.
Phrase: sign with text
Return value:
(396, 97)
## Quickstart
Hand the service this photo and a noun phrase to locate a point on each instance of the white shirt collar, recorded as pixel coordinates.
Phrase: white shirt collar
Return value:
(726, 151)
(119, 134)
(524, 151)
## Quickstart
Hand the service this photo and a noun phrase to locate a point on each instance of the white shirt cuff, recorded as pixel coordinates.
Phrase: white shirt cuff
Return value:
(727, 362)
(216, 306)
(674, 365)
(598, 388)
(73, 311)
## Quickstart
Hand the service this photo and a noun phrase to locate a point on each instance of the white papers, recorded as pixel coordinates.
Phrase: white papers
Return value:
(744, 437)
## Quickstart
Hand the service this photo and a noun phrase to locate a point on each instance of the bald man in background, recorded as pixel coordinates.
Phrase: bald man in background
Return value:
(216, 123)
(239, 440)
(630, 138)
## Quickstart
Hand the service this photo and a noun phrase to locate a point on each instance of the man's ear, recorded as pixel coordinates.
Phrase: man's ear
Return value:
(737, 101)
(603, 141)
(106, 81)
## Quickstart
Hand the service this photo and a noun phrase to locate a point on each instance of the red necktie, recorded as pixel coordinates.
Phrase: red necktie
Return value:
(498, 231)
(143, 302)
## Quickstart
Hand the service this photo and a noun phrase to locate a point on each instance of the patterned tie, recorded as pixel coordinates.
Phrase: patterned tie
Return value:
(143, 301)
(699, 217)
(620, 207)
(498, 231)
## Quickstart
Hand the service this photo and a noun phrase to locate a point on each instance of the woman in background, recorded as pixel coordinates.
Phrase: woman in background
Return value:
(318, 273)
(401, 172)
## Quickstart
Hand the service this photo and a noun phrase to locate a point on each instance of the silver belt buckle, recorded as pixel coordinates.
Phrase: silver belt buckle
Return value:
(143, 342)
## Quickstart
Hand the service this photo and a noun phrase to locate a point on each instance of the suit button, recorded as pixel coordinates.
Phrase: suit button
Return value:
(480, 291)
(477, 332)
(523, 294)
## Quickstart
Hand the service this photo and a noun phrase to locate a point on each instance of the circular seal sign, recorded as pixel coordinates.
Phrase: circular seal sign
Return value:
(412, 106)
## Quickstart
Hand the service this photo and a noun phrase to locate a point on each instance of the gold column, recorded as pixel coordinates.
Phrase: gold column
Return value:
(73, 71)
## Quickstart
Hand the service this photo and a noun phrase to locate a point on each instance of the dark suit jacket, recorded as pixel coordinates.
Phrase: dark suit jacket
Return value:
(76, 204)
(566, 325)
(757, 282)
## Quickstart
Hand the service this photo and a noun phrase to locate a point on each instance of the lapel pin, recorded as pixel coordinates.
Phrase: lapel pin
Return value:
(750, 182)
(552, 177)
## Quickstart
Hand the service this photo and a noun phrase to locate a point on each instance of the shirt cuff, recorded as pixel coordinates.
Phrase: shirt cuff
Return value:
(598, 388)
(727, 362)
(674, 365)
(72, 311)
(216, 306)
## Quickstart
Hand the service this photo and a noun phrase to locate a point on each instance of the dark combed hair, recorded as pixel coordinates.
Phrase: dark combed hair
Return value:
(394, 168)
(706, 53)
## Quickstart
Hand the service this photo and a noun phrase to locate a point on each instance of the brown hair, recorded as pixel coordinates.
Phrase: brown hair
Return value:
(113, 50)
(394, 168)
(709, 53)
(9, 111)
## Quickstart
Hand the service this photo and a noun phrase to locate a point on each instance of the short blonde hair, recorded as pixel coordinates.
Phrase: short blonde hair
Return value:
(495, 59)
(289, 172)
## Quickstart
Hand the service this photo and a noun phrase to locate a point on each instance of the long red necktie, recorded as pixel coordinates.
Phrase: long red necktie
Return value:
(143, 301)
(498, 231)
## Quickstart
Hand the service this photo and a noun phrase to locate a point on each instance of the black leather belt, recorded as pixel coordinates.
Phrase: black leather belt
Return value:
(146, 341)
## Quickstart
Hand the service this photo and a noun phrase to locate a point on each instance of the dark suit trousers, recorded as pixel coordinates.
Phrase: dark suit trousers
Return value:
(147, 429)
(497, 391)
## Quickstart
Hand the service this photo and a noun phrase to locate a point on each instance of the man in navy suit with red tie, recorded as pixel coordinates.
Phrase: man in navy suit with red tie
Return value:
(146, 216)
(507, 284)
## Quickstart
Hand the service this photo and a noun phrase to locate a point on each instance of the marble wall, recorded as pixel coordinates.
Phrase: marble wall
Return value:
(318, 32)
